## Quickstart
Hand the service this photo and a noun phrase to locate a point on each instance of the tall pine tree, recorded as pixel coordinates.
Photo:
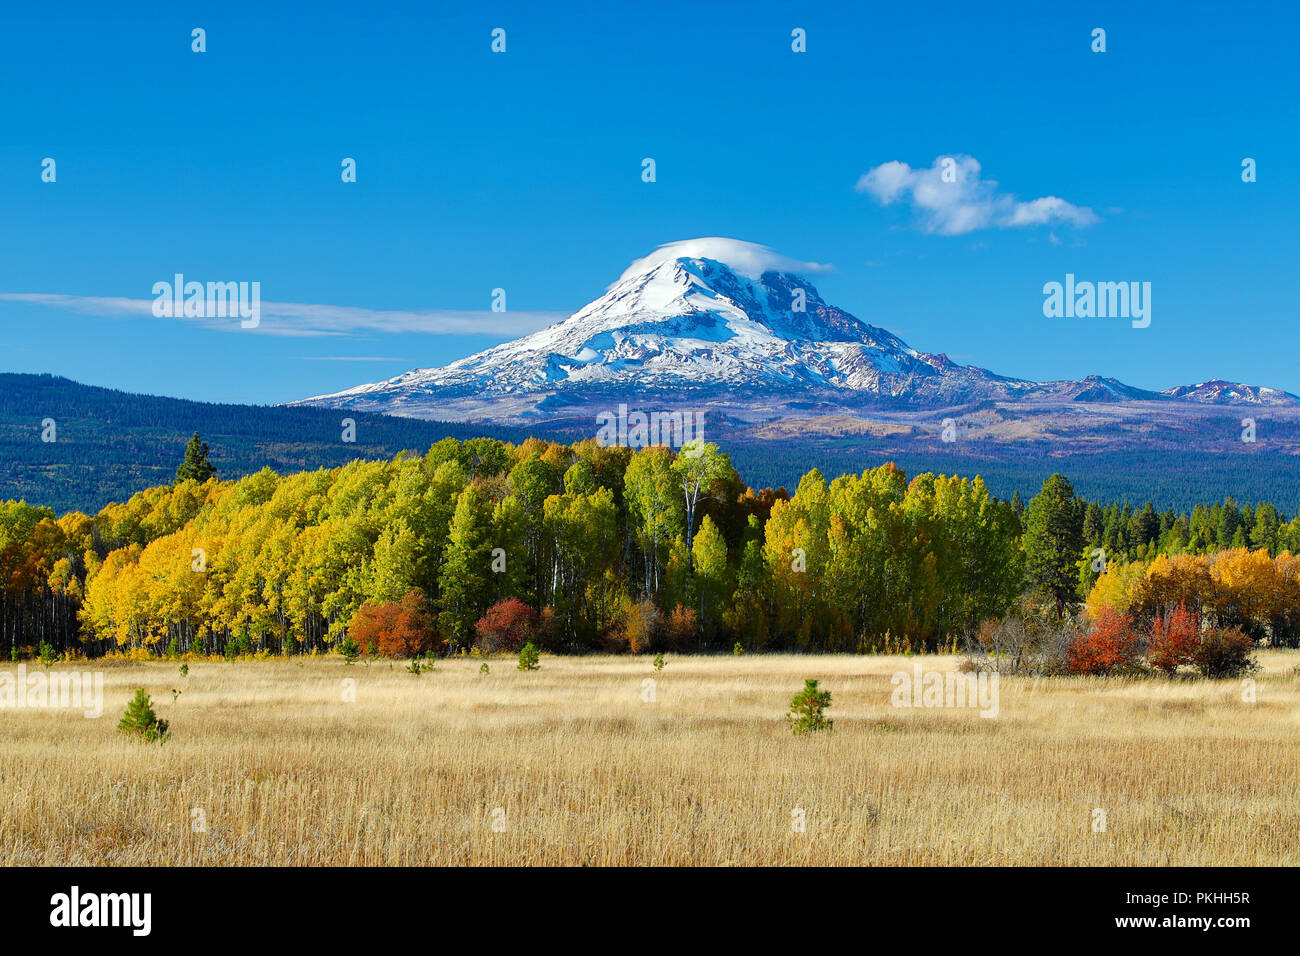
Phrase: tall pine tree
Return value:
(1053, 542)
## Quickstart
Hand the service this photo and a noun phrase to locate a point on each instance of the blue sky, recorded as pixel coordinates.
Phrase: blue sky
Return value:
(522, 171)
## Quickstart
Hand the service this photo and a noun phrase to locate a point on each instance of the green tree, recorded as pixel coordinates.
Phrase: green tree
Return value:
(699, 469)
(1264, 533)
(529, 657)
(807, 710)
(531, 482)
(140, 721)
(747, 613)
(583, 543)
(465, 586)
(196, 466)
(394, 563)
(510, 577)
(656, 514)
(712, 574)
(1229, 524)
(1053, 541)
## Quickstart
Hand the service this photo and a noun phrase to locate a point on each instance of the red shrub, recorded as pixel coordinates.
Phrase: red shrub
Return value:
(1112, 643)
(1173, 640)
(394, 629)
(507, 625)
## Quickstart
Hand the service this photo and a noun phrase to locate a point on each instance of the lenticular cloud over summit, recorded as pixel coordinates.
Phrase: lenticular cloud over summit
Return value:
(744, 258)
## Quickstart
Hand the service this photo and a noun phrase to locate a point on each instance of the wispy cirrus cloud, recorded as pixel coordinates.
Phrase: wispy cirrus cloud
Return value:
(311, 320)
(962, 200)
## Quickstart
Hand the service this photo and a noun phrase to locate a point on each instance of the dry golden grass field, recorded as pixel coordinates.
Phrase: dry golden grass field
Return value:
(587, 772)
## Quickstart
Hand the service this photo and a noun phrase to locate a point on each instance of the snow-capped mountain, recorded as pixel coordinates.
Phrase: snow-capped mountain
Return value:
(1219, 392)
(720, 317)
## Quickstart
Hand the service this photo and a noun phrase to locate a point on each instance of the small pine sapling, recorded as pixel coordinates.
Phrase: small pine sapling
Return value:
(140, 722)
(807, 710)
(349, 649)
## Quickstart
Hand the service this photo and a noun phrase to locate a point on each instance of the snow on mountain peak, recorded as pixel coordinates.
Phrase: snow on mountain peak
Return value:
(699, 313)
(726, 317)
(748, 259)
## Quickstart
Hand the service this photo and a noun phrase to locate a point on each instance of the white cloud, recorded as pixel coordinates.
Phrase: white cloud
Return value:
(84, 304)
(298, 319)
(747, 258)
(967, 203)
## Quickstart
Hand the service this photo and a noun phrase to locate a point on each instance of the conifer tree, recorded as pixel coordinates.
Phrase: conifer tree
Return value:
(140, 721)
(196, 464)
(1053, 542)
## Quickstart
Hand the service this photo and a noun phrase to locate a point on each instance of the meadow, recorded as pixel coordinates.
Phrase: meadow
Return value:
(267, 764)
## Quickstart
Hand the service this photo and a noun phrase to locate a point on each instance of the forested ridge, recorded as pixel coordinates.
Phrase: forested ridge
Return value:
(610, 548)
(112, 444)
